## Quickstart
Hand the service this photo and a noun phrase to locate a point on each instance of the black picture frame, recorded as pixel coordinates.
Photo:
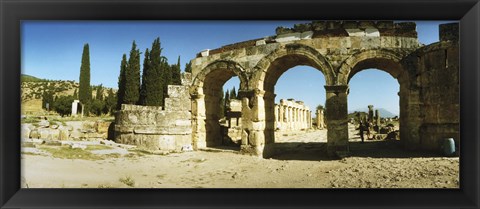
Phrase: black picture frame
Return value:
(14, 11)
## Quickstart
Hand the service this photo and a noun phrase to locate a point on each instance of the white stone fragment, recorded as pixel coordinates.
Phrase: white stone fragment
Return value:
(372, 32)
(288, 37)
(306, 35)
(205, 52)
(355, 32)
(260, 42)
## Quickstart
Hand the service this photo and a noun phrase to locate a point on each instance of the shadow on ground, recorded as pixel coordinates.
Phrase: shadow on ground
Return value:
(315, 151)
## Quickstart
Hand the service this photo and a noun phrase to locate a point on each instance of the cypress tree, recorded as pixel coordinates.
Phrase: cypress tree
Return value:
(176, 75)
(132, 77)
(121, 82)
(188, 67)
(227, 101)
(146, 74)
(153, 77)
(85, 90)
(166, 73)
(233, 94)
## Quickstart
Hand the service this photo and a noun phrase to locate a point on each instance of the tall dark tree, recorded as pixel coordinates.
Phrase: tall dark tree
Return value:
(121, 82)
(166, 70)
(132, 77)
(227, 100)
(85, 90)
(110, 102)
(188, 67)
(153, 76)
(176, 74)
(146, 74)
(233, 93)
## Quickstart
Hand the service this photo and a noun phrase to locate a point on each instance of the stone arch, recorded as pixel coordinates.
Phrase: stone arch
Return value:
(266, 74)
(205, 92)
(385, 60)
(286, 57)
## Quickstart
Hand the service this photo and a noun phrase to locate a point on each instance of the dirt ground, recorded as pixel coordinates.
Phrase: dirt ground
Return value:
(301, 162)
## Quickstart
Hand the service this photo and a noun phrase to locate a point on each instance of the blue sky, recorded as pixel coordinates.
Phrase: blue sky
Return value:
(53, 50)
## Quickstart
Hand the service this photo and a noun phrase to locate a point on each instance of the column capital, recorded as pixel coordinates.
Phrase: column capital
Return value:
(337, 89)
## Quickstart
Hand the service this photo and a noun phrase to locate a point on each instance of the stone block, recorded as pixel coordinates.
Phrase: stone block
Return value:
(449, 32)
(289, 37)
(25, 131)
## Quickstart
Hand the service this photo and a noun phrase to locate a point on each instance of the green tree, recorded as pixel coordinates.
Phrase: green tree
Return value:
(75, 94)
(63, 105)
(132, 77)
(226, 100)
(233, 93)
(121, 82)
(153, 81)
(188, 67)
(146, 74)
(47, 98)
(85, 90)
(110, 102)
(166, 78)
(97, 106)
(176, 74)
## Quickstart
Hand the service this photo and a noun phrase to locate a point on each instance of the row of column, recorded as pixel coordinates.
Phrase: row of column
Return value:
(292, 115)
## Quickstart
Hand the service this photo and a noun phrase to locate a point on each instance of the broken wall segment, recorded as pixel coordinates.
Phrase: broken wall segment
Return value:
(156, 128)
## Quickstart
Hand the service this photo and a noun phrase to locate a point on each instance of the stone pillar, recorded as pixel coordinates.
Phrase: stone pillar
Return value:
(337, 120)
(198, 122)
(377, 117)
(370, 113)
(75, 107)
(253, 124)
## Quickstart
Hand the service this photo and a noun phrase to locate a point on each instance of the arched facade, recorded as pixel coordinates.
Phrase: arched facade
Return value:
(206, 89)
(338, 50)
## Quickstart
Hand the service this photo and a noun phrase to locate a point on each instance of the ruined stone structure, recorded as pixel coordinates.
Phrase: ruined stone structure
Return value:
(320, 120)
(154, 128)
(291, 115)
(427, 75)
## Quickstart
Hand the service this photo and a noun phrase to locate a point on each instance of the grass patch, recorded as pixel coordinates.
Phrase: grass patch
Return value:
(69, 153)
(32, 120)
(98, 147)
(128, 180)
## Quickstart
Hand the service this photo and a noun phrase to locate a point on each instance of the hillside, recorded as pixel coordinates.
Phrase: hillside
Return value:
(32, 89)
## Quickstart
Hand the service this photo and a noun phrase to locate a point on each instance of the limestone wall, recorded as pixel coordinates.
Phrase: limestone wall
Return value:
(433, 109)
(154, 128)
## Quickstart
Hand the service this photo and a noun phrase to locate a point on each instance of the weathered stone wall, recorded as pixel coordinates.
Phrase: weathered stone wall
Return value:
(154, 128)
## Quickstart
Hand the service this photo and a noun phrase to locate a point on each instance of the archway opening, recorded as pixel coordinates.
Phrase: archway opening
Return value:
(216, 124)
(294, 87)
(231, 115)
(375, 104)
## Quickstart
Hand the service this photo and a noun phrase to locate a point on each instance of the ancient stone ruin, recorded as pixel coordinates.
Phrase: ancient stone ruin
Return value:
(157, 128)
(428, 77)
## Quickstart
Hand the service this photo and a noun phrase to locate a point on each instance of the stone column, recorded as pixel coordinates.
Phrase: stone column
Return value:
(377, 117)
(198, 122)
(253, 124)
(337, 120)
(370, 113)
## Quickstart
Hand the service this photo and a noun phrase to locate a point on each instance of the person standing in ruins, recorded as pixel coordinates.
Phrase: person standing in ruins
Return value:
(362, 129)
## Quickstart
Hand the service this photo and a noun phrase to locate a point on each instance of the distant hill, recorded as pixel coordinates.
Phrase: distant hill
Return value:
(383, 112)
(29, 78)
(32, 89)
